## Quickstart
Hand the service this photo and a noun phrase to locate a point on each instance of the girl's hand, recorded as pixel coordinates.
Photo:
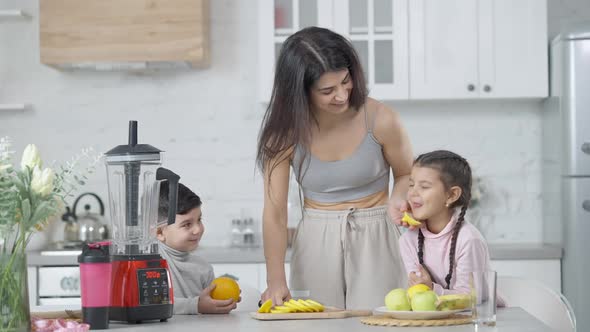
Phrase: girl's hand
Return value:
(208, 305)
(396, 211)
(278, 295)
(422, 277)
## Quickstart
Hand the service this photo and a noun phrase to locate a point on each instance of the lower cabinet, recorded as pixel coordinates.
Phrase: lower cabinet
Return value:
(547, 271)
(248, 274)
(262, 273)
(60, 285)
(53, 285)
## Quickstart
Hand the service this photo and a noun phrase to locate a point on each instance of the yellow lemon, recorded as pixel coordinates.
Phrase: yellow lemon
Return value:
(417, 289)
(265, 307)
(227, 288)
(315, 305)
(411, 221)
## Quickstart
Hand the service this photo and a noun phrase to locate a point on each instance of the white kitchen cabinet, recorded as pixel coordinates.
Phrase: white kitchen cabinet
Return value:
(277, 20)
(32, 284)
(547, 271)
(378, 29)
(513, 49)
(478, 49)
(247, 274)
(262, 274)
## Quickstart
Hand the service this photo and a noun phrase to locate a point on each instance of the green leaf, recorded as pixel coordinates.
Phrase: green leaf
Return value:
(26, 209)
(20, 186)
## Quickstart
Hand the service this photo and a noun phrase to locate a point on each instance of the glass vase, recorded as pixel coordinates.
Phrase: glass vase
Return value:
(14, 295)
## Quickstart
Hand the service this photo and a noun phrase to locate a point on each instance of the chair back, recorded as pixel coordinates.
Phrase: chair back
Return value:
(546, 305)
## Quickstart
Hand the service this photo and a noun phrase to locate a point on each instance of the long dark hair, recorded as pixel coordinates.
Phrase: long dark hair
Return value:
(303, 58)
(454, 170)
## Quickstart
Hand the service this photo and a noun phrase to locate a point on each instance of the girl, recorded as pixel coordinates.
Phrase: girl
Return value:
(443, 252)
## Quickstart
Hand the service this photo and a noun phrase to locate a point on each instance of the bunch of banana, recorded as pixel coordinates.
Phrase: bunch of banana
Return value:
(454, 302)
(291, 306)
(411, 221)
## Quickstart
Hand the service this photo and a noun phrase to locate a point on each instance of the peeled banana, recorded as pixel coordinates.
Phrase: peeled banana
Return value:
(453, 302)
(411, 221)
(291, 306)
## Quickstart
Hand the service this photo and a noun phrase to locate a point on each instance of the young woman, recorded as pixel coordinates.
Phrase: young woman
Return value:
(341, 146)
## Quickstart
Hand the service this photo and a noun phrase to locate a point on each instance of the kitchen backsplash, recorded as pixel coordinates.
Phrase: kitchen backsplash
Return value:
(207, 121)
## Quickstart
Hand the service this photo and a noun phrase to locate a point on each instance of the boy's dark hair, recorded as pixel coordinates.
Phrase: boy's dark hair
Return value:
(454, 171)
(187, 200)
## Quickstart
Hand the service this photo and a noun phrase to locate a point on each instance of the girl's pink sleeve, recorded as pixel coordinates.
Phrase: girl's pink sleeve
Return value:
(473, 256)
(408, 252)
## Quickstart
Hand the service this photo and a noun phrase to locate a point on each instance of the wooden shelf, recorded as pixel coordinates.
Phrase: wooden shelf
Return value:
(74, 32)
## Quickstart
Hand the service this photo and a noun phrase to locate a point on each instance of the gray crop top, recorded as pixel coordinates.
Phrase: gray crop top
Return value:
(363, 173)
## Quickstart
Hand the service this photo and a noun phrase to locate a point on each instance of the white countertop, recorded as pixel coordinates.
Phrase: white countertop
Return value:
(225, 255)
(509, 320)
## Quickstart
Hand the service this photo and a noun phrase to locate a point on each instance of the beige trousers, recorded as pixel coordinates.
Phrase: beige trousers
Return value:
(347, 259)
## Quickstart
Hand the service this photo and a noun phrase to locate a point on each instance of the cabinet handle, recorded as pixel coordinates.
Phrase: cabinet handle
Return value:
(586, 205)
(487, 88)
(470, 87)
(586, 147)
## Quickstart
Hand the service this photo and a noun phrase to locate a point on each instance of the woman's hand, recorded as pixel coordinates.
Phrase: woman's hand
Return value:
(278, 295)
(208, 305)
(396, 211)
(422, 277)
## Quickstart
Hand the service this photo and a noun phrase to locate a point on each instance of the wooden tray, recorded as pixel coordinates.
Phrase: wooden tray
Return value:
(328, 313)
(455, 319)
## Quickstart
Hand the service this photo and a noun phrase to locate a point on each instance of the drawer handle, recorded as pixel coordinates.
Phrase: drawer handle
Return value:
(470, 87)
(586, 147)
(586, 205)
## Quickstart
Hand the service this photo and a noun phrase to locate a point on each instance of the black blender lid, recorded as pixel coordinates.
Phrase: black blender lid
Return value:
(133, 151)
(95, 253)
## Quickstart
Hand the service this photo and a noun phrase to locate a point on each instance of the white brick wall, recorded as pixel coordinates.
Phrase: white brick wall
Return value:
(207, 121)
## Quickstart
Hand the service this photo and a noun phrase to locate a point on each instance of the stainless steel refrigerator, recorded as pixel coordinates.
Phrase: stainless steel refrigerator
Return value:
(566, 164)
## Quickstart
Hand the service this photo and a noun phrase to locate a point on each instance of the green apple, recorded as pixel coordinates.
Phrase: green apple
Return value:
(397, 299)
(424, 301)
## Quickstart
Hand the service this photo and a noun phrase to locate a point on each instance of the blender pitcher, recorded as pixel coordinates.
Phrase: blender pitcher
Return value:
(141, 283)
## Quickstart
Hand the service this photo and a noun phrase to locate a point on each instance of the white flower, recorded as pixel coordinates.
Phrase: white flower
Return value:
(42, 182)
(31, 157)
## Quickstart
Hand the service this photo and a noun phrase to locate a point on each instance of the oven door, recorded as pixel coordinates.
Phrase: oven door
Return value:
(58, 285)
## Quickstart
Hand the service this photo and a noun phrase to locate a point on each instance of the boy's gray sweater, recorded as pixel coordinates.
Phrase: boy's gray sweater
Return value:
(190, 275)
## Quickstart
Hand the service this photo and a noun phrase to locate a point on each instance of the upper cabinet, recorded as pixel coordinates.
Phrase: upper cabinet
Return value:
(478, 49)
(74, 32)
(376, 28)
(424, 49)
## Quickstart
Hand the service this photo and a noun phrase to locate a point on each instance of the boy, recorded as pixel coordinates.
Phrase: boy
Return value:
(191, 274)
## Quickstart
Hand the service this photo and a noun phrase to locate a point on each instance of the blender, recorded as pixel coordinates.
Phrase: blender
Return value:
(140, 279)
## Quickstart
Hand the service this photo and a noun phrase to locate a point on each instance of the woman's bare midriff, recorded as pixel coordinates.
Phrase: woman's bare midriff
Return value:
(373, 200)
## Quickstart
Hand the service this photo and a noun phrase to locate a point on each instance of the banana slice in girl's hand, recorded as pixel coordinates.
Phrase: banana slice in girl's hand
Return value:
(411, 221)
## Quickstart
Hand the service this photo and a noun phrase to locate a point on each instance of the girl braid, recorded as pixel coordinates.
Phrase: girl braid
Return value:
(454, 245)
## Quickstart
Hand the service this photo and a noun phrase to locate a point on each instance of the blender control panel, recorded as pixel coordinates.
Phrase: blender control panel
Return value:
(153, 286)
